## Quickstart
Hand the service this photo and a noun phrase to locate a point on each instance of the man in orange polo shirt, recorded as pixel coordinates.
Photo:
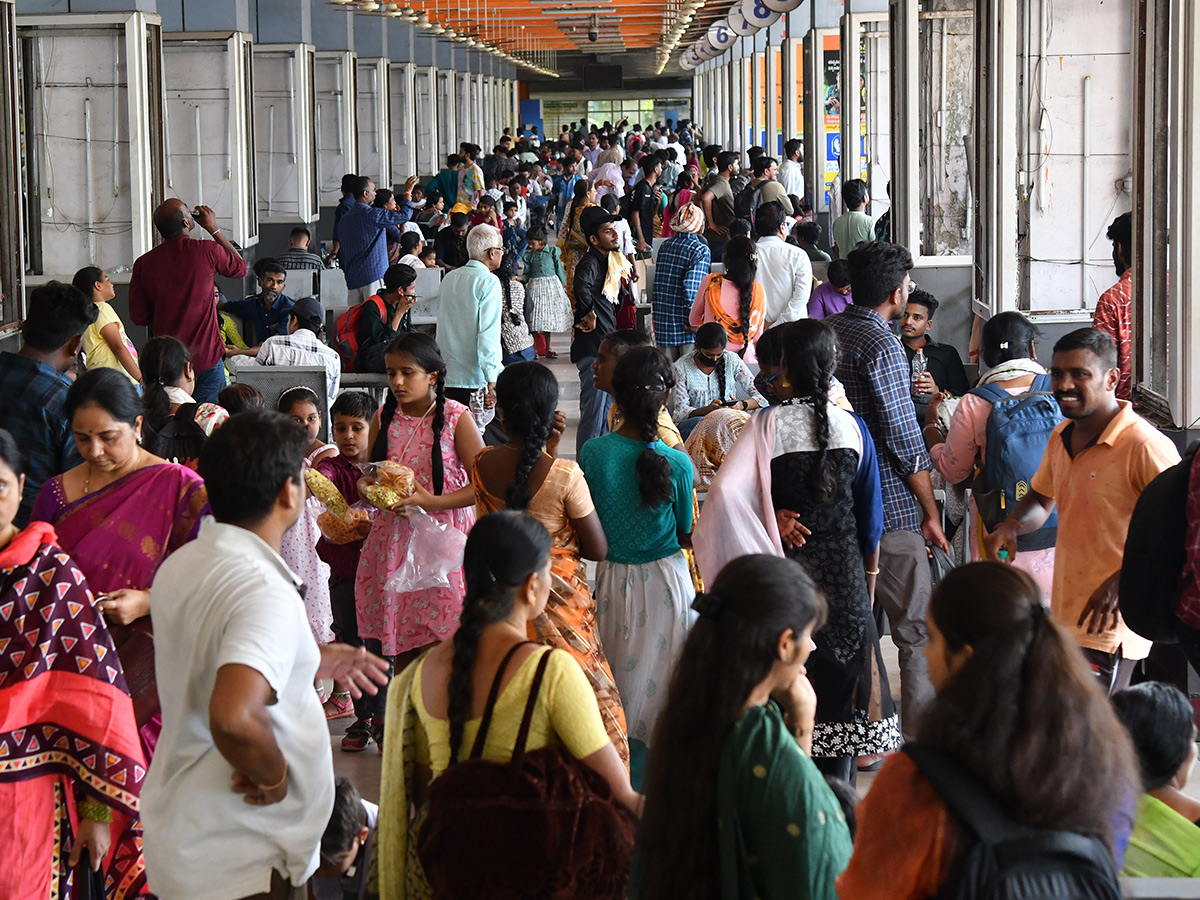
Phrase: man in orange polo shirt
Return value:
(1098, 462)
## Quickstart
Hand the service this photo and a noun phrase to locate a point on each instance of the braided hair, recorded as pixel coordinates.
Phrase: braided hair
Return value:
(505, 274)
(809, 355)
(526, 395)
(425, 354)
(712, 336)
(741, 267)
(641, 382)
(503, 549)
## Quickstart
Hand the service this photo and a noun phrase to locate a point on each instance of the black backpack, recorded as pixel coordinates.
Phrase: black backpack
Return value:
(1007, 860)
(1152, 569)
(746, 203)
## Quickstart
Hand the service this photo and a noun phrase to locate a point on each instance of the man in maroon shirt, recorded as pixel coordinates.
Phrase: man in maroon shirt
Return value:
(172, 289)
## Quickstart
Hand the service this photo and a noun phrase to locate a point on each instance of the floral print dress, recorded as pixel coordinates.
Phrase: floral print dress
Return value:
(410, 620)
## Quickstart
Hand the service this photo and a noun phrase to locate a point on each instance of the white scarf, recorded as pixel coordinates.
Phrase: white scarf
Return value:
(1013, 368)
(619, 268)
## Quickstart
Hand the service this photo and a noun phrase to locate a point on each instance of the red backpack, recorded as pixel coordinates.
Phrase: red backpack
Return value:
(346, 330)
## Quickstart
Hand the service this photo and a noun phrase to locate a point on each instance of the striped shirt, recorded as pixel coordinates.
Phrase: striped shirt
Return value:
(872, 366)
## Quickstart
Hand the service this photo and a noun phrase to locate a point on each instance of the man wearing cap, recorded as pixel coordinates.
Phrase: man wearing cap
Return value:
(596, 298)
(300, 346)
(682, 263)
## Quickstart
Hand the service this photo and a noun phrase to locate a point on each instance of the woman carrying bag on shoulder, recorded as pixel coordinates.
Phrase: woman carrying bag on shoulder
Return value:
(467, 837)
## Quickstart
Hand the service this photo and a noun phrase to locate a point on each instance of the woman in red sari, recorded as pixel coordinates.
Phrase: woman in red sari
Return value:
(120, 514)
(71, 764)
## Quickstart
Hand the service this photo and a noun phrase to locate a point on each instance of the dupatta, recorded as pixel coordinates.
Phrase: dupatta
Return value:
(738, 517)
(66, 710)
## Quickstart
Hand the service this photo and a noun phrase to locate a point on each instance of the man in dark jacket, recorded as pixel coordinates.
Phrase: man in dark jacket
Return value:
(595, 318)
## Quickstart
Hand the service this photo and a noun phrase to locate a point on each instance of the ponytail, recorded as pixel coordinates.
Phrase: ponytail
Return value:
(503, 550)
(809, 355)
(526, 395)
(641, 382)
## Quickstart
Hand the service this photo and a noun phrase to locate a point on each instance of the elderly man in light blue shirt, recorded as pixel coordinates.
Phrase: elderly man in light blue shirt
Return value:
(468, 329)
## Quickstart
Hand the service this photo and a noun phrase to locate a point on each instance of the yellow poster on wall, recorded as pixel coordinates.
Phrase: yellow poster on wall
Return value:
(831, 99)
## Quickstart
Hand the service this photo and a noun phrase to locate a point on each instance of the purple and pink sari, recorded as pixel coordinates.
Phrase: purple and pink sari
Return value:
(119, 536)
(67, 728)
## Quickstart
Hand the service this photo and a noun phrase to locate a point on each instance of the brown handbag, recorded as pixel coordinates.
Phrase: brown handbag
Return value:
(542, 825)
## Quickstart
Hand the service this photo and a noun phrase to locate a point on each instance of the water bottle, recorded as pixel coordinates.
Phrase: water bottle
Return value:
(919, 367)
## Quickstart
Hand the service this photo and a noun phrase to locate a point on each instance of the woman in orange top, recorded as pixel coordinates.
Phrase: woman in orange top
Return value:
(1019, 708)
(734, 299)
(524, 474)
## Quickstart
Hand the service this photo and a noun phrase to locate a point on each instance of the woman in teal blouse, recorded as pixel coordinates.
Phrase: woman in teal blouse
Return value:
(735, 808)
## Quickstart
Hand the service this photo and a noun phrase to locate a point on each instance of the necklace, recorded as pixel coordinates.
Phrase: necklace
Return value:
(87, 479)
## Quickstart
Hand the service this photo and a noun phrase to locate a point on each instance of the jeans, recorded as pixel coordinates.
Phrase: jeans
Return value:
(526, 355)
(688, 425)
(593, 406)
(209, 384)
(676, 352)
(902, 594)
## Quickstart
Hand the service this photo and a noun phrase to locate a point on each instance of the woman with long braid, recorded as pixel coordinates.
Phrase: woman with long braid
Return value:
(419, 428)
(526, 474)
(816, 464)
(643, 493)
(734, 299)
(435, 706)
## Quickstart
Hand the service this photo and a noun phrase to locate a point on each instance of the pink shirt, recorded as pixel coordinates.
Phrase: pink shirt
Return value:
(731, 304)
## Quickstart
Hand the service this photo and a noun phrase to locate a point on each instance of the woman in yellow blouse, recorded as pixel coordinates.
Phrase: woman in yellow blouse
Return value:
(435, 705)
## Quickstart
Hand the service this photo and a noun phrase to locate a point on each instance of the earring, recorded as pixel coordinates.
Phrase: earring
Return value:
(786, 384)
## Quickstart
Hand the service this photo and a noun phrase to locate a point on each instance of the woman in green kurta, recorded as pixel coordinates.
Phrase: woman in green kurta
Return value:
(735, 808)
(1166, 840)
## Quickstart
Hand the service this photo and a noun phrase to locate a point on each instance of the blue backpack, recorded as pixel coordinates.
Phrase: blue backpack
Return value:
(1018, 430)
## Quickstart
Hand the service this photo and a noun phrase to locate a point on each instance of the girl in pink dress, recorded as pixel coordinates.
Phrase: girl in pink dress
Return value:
(418, 427)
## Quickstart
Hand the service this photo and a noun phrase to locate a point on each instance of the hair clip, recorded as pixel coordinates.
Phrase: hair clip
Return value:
(1004, 346)
(707, 604)
(652, 444)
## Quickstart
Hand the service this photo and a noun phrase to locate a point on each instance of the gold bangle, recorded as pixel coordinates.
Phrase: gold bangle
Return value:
(277, 785)
(872, 571)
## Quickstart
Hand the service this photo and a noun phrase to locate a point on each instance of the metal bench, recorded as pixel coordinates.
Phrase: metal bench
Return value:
(375, 384)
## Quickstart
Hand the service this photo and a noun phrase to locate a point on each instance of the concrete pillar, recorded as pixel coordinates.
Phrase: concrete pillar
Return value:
(283, 21)
(203, 15)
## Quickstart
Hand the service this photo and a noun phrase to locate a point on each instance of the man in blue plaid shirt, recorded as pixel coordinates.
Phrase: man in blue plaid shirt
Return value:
(875, 371)
(679, 269)
(33, 386)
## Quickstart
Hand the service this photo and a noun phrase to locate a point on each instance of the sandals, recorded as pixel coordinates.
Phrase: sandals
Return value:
(338, 706)
(550, 354)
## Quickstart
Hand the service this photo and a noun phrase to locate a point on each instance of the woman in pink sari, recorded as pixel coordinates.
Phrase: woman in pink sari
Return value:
(120, 514)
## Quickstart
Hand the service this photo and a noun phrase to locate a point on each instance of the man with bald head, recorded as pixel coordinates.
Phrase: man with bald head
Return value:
(172, 289)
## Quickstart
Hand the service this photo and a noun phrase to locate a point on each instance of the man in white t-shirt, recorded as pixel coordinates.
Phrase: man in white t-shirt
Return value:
(241, 786)
(784, 270)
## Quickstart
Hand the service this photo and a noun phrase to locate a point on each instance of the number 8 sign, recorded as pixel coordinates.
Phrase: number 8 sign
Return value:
(758, 14)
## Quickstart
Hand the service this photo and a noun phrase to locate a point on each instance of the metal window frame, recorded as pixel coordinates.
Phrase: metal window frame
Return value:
(401, 118)
(427, 157)
(815, 156)
(444, 85)
(997, 279)
(371, 77)
(302, 115)
(143, 103)
(242, 218)
(851, 129)
(344, 101)
(12, 213)
(1166, 215)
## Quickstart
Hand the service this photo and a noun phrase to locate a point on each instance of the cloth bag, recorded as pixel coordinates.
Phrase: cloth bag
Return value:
(541, 825)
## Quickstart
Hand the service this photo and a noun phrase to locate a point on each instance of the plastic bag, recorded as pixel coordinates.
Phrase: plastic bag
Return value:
(434, 551)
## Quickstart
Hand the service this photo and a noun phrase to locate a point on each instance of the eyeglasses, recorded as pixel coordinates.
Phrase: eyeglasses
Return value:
(912, 286)
(411, 295)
